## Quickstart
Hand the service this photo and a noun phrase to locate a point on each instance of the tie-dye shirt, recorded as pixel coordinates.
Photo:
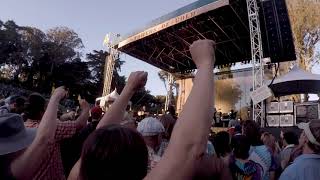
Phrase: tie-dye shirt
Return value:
(263, 156)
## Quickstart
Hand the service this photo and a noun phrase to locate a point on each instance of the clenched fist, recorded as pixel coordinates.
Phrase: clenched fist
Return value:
(60, 93)
(203, 53)
(84, 104)
(137, 80)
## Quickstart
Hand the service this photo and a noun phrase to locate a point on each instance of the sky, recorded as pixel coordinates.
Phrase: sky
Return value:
(92, 20)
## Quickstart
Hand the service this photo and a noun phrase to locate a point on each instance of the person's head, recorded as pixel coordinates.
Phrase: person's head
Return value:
(269, 140)
(35, 107)
(240, 146)
(252, 131)
(14, 137)
(16, 104)
(310, 137)
(69, 116)
(289, 138)
(171, 110)
(222, 143)
(114, 152)
(151, 129)
(168, 123)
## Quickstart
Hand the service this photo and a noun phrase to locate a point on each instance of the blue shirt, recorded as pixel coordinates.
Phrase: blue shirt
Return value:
(304, 167)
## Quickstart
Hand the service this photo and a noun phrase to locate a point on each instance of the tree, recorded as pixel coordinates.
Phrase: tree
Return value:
(305, 23)
(142, 98)
(163, 75)
(96, 62)
(11, 50)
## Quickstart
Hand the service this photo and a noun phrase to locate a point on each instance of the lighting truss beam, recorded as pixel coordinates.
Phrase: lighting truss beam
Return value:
(257, 55)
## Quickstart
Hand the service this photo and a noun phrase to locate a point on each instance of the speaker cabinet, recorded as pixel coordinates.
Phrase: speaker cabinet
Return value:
(286, 107)
(273, 108)
(273, 120)
(306, 112)
(286, 120)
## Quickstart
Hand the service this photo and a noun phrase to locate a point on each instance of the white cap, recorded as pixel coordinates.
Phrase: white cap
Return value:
(150, 127)
(307, 131)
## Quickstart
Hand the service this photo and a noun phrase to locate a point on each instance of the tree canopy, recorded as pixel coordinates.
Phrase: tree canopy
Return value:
(305, 23)
(39, 61)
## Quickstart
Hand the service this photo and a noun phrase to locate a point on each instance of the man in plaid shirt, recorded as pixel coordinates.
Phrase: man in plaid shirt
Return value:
(50, 164)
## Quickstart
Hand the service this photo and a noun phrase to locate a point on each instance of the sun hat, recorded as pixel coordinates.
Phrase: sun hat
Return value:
(13, 134)
(307, 131)
(150, 127)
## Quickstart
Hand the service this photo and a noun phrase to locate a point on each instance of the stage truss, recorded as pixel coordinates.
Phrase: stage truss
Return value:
(109, 62)
(165, 42)
(257, 55)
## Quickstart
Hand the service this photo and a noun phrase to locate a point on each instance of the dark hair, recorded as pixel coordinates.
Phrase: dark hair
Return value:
(222, 143)
(20, 102)
(35, 106)
(252, 131)
(114, 152)
(291, 138)
(168, 123)
(241, 146)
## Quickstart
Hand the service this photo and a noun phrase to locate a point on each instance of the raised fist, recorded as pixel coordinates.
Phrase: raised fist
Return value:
(84, 104)
(137, 80)
(60, 93)
(203, 53)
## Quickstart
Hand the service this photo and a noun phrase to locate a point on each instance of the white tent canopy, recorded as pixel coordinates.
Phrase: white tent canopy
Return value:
(297, 81)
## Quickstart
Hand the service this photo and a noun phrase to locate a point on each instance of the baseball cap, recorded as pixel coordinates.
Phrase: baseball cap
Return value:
(150, 127)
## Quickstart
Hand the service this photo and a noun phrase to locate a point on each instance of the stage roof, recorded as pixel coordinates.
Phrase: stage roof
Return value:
(165, 42)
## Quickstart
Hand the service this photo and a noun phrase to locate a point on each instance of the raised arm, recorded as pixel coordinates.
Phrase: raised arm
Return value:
(115, 114)
(189, 137)
(32, 156)
(81, 121)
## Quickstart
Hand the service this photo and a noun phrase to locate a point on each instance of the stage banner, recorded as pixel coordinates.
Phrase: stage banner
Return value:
(261, 94)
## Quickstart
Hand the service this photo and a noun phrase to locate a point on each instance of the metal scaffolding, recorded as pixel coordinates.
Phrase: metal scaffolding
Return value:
(108, 70)
(170, 91)
(109, 62)
(257, 55)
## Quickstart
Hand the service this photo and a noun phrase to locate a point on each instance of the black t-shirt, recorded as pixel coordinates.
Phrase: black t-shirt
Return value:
(5, 171)
(71, 148)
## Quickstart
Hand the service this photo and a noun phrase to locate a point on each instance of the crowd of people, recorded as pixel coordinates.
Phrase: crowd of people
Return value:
(37, 143)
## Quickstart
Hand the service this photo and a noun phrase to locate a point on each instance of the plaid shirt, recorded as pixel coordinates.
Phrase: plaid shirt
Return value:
(52, 167)
(154, 157)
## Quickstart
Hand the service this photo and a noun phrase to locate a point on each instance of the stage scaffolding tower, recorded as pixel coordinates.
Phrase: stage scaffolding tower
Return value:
(257, 55)
(170, 91)
(109, 63)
